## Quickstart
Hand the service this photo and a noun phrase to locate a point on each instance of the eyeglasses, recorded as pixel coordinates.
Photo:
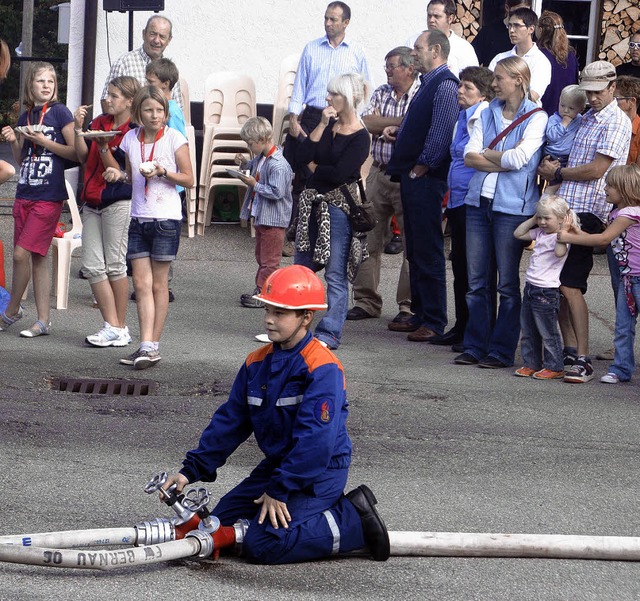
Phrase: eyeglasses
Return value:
(515, 25)
(634, 45)
(392, 67)
(624, 97)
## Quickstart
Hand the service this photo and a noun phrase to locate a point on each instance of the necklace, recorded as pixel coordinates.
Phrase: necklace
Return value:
(34, 146)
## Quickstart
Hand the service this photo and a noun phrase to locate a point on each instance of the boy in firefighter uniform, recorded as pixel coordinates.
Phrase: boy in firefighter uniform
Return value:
(291, 395)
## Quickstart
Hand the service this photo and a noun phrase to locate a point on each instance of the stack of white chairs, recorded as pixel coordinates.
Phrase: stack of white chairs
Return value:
(192, 192)
(280, 119)
(230, 99)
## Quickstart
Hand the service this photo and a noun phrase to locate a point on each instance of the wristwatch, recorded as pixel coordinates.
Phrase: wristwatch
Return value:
(412, 174)
(104, 150)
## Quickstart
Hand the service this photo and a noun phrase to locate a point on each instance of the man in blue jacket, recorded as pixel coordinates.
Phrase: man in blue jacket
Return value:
(291, 394)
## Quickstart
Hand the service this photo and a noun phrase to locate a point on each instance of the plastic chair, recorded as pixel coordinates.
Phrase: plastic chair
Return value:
(280, 119)
(192, 192)
(62, 249)
(230, 99)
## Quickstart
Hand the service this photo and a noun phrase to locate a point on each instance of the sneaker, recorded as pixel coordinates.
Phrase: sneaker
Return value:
(146, 359)
(568, 360)
(524, 372)
(581, 371)
(548, 374)
(130, 359)
(109, 336)
(247, 300)
(6, 321)
(610, 378)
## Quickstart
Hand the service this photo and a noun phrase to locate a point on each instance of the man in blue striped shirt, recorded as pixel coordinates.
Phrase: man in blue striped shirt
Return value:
(322, 59)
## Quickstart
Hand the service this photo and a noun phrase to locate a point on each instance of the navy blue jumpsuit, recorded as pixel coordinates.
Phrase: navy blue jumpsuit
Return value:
(294, 402)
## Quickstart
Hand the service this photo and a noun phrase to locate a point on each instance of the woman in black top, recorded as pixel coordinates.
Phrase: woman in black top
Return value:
(335, 151)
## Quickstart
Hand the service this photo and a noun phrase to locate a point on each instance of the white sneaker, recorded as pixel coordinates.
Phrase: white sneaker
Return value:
(610, 378)
(110, 336)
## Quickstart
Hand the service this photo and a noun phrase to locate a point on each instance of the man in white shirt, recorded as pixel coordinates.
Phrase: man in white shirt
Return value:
(521, 25)
(440, 16)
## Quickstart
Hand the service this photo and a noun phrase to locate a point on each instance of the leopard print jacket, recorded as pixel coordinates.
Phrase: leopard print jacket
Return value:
(311, 201)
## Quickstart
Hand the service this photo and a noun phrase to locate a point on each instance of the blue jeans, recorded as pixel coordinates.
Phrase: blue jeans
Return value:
(422, 207)
(623, 359)
(490, 238)
(540, 330)
(329, 330)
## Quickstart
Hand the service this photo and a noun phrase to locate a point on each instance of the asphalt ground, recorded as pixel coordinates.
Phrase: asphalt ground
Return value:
(445, 448)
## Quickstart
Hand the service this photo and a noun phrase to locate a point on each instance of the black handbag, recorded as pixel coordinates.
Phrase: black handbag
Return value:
(361, 216)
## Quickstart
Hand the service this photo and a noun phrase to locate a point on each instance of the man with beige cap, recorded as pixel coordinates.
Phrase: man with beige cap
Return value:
(601, 143)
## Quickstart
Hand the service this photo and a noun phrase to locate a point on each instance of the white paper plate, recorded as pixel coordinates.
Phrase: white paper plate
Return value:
(23, 129)
(94, 133)
(236, 172)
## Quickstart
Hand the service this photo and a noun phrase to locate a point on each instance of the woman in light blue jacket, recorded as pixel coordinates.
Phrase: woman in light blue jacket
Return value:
(502, 194)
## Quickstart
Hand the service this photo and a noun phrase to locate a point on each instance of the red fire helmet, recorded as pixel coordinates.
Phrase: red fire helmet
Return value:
(293, 287)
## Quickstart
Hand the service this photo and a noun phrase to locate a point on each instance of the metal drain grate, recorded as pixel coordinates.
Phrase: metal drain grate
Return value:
(107, 387)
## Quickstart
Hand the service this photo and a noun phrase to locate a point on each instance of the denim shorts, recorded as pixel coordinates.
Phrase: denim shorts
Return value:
(156, 239)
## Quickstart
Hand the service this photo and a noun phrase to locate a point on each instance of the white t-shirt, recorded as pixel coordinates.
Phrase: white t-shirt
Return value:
(160, 199)
(544, 266)
(461, 53)
(539, 66)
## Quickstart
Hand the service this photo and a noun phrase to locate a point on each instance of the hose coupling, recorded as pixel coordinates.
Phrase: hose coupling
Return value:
(240, 527)
(206, 543)
(155, 531)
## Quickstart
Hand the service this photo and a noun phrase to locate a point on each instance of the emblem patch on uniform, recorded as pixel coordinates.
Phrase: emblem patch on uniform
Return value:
(324, 411)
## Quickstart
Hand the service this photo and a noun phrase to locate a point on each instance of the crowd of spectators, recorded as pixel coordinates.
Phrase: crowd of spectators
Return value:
(482, 129)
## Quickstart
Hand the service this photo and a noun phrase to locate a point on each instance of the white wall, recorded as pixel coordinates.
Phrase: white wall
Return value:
(252, 36)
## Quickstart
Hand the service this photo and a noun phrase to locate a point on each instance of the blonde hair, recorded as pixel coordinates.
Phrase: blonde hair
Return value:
(5, 59)
(32, 73)
(559, 207)
(256, 129)
(351, 86)
(573, 93)
(143, 94)
(626, 180)
(517, 67)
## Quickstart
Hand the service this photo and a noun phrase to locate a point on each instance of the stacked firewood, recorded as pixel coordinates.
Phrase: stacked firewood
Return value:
(619, 20)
